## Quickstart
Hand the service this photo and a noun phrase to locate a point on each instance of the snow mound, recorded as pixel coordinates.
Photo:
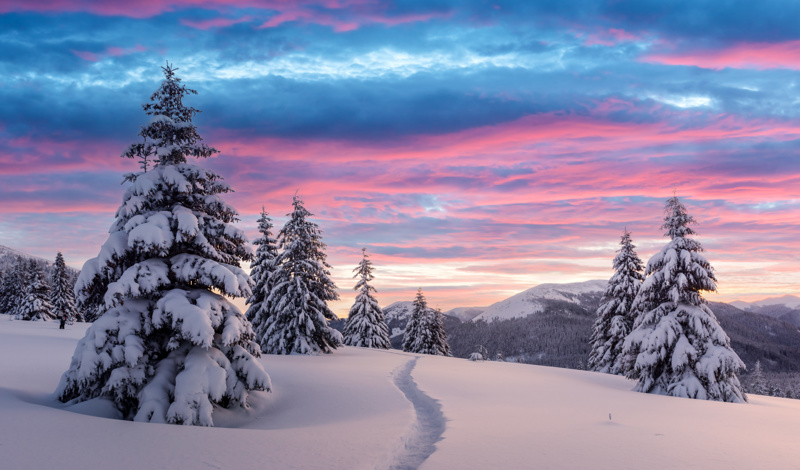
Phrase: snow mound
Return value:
(533, 300)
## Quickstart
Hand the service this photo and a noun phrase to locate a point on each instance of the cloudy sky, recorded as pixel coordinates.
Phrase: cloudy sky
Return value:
(476, 148)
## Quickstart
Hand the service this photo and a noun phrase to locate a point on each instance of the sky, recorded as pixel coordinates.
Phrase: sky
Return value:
(476, 149)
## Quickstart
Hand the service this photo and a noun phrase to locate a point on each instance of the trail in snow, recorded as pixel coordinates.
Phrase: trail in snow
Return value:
(420, 441)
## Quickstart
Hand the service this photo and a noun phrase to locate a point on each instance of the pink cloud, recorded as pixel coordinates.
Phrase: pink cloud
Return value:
(588, 178)
(341, 15)
(215, 22)
(110, 51)
(746, 55)
(308, 16)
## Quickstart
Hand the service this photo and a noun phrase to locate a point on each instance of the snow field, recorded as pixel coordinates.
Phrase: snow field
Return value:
(516, 416)
(345, 411)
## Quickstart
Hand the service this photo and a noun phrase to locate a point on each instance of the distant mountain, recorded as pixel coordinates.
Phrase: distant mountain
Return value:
(790, 301)
(758, 337)
(465, 313)
(784, 308)
(535, 299)
(550, 324)
(397, 315)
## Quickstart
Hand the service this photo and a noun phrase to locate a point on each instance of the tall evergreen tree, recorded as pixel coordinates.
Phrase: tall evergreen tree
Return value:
(366, 326)
(18, 284)
(677, 347)
(425, 332)
(12, 288)
(261, 271)
(301, 289)
(63, 297)
(169, 346)
(35, 303)
(615, 315)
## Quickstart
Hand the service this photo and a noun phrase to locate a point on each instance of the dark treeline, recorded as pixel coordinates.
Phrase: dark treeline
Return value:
(558, 336)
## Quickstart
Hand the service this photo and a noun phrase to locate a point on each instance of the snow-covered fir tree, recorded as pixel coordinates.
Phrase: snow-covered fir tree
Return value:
(261, 271)
(425, 333)
(301, 288)
(35, 303)
(18, 285)
(12, 288)
(169, 347)
(414, 325)
(366, 326)
(615, 315)
(677, 347)
(437, 344)
(63, 296)
(758, 383)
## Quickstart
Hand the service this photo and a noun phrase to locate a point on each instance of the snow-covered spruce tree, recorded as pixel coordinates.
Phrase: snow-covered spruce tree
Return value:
(35, 303)
(261, 271)
(425, 333)
(169, 347)
(366, 326)
(10, 288)
(615, 316)
(301, 288)
(14, 286)
(677, 347)
(439, 345)
(414, 326)
(63, 296)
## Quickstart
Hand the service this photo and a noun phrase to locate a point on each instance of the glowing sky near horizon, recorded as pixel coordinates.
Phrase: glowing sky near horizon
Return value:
(475, 148)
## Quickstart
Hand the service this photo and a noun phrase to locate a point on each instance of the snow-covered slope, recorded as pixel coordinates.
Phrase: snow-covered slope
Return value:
(465, 313)
(370, 409)
(533, 300)
(397, 315)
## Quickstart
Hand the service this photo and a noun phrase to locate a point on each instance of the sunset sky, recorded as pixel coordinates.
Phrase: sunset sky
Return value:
(476, 149)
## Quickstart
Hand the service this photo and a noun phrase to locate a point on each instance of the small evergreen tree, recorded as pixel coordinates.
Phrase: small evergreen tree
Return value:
(415, 325)
(366, 326)
(758, 381)
(168, 346)
(615, 315)
(63, 296)
(261, 271)
(438, 345)
(300, 292)
(773, 390)
(677, 347)
(425, 333)
(35, 304)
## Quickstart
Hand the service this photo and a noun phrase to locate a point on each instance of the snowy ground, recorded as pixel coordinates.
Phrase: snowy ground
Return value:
(362, 409)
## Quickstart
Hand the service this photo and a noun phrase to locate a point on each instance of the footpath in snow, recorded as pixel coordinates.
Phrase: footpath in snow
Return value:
(420, 440)
(365, 409)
